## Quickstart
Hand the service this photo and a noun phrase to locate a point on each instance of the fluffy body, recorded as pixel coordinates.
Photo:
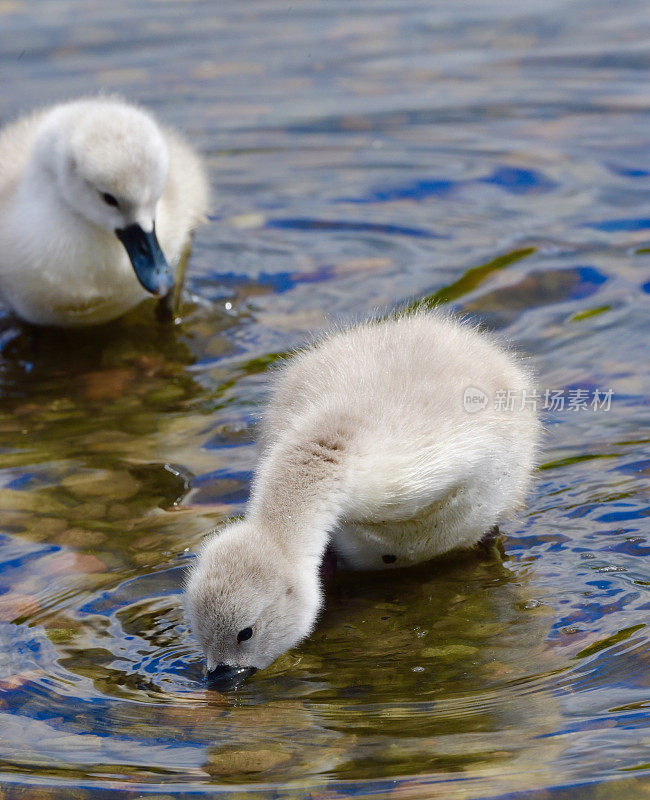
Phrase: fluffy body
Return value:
(366, 446)
(60, 261)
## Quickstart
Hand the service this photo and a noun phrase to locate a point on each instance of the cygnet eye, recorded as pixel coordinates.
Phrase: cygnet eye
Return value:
(109, 199)
(242, 636)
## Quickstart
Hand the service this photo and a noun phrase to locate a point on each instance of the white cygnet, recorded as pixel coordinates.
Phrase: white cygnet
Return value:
(392, 442)
(88, 189)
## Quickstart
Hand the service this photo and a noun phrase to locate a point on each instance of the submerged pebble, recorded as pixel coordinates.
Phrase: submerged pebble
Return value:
(242, 762)
(107, 484)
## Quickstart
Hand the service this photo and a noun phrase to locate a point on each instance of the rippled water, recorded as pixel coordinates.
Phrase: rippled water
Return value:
(494, 156)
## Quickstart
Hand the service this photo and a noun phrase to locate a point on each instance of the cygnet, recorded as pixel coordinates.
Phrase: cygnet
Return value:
(96, 201)
(391, 442)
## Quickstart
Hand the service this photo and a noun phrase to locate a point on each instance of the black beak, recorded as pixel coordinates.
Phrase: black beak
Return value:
(223, 676)
(149, 262)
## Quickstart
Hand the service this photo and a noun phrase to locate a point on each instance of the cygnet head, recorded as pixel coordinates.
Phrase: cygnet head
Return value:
(109, 162)
(247, 604)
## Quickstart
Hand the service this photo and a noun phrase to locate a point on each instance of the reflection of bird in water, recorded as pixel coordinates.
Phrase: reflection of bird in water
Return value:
(369, 446)
(87, 189)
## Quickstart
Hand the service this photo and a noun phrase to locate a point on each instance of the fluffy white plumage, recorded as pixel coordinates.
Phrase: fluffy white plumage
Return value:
(61, 262)
(367, 445)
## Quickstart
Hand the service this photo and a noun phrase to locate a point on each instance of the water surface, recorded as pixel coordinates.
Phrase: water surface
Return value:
(491, 156)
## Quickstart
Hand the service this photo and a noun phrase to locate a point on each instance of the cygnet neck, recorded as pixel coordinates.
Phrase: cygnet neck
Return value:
(297, 497)
(40, 187)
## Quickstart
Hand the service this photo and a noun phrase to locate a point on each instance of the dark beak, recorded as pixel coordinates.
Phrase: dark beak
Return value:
(149, 262)
(224, 677)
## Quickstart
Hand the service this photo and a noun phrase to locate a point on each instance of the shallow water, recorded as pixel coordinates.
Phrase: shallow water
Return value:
(493, 156)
